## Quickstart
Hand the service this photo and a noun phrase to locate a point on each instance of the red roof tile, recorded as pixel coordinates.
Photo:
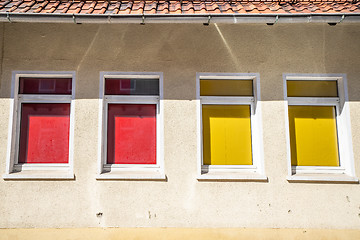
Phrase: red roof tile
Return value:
(238, 8)
(180, 6)
(188, 7)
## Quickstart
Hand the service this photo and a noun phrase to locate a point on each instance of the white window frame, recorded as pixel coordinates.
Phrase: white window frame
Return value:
(254, 172)
(130, 171)
(345, 172)
(54, 171)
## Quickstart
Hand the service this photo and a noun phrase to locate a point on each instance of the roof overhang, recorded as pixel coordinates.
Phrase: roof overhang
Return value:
(331, 18)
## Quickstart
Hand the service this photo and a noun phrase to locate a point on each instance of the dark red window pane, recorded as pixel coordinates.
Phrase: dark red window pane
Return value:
(44, 133)
(45, 85)
(131, 133)
(131, 86)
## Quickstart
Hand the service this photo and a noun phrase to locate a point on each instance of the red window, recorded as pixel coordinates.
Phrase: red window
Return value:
(134, 86)
(44, 133)
(131, 134)
(44, 122)
(45, 86)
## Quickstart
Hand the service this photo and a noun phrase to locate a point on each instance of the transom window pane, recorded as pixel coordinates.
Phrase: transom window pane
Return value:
(119, 86)
(226, 87)
(45, 85)
(131, 134)
(313, 136)
(44, 133)
(226, 135)
(312, 88)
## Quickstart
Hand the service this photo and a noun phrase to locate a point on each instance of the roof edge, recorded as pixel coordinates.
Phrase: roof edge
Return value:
(270, 18)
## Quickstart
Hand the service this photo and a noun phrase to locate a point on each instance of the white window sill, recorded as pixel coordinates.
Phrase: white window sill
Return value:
(39, 175)
(243, 176)
(131, 175)
(322, 178)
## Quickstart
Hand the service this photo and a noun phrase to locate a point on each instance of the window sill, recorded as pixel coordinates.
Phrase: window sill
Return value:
(39, 175)
(322, 178)
(132, 175)
(232, 176)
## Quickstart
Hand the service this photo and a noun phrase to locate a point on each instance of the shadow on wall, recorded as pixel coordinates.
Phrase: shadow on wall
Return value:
(179, 51)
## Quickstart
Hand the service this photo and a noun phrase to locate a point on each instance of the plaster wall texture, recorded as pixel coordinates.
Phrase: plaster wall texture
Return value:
(179, 51)
(177, 233)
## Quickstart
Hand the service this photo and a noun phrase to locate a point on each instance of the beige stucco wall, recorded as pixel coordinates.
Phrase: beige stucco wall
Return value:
(179, 51)
(177, 234)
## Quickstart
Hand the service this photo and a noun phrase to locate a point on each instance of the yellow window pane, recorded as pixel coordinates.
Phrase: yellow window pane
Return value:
(313, 136)
(226, 135)
(312, 89)
(226, 87)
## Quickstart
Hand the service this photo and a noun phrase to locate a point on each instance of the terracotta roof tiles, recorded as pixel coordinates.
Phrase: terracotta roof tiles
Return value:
(175, 7)
(150, 7)
(51, 7)
(188, 7)
(238, 8)
(179, 6)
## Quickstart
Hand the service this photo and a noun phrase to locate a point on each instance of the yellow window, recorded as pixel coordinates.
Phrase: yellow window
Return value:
(313, 136)
(226, 135)
(226, 87)
(312, 88)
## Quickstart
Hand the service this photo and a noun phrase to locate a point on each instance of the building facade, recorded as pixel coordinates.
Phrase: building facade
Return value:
(248, 129)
